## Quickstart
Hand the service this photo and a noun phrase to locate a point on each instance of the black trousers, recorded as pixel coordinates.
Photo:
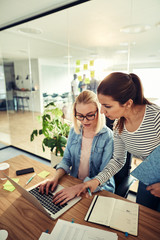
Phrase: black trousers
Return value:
(146, 199)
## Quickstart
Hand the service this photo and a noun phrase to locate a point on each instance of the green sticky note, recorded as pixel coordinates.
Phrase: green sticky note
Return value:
(9, 188)
(8, 183)
(43, 174)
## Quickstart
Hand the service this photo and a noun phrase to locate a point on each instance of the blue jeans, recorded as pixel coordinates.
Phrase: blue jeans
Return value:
(146, 199)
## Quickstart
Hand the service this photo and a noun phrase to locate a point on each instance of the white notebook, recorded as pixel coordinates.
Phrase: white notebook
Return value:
(115, 213)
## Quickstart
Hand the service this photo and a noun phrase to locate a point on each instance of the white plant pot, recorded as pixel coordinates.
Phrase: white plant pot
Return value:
(55, 159)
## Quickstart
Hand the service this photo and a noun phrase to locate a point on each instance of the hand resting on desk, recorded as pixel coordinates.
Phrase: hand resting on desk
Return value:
(91, 184)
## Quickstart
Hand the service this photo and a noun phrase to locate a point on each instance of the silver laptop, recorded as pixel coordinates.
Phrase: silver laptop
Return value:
(44, 202)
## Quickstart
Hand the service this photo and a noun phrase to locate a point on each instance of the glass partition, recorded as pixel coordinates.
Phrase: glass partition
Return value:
(40, 58)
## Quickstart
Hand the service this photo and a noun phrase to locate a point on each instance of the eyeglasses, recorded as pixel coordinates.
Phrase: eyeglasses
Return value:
(89, 117)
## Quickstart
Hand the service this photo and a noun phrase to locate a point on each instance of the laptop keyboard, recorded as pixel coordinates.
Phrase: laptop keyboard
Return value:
(46, 201)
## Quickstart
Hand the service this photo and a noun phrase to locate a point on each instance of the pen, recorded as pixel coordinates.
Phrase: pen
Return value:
(89, 191)
(31, 178)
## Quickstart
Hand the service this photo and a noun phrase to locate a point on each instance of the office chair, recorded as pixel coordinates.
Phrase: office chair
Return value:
(123, 179)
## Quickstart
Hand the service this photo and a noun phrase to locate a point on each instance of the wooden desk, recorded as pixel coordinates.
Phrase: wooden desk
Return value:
(23, 221)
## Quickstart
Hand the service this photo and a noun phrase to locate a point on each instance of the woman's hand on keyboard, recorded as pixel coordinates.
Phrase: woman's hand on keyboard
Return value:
(48, 186)
(66, 194)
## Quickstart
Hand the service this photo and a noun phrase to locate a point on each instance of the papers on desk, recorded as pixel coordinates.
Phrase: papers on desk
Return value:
(73, 231)
(115, 213)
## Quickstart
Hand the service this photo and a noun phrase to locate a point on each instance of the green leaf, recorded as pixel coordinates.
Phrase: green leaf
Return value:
(50, 104)
(34, 133)
(40, 132)
(54, 129)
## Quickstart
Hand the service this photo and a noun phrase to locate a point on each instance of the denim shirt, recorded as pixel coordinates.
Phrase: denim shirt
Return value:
(101, 153)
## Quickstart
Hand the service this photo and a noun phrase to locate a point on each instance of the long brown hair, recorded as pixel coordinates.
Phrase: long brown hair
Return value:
(122, 87)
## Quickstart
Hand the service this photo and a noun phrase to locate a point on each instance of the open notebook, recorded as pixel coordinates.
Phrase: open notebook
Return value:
(44, 202)
(115, 213)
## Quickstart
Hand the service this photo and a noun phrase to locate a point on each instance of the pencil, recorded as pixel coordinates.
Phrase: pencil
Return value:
(89, 191)
(31, 178)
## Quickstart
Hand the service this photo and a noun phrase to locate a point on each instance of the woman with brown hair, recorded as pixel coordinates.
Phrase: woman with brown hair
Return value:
(136, 129)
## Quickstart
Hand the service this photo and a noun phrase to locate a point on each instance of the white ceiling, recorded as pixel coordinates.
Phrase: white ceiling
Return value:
(89, 30)
(19, 10)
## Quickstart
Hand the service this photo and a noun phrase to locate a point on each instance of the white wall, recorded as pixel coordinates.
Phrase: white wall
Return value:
(55, 79)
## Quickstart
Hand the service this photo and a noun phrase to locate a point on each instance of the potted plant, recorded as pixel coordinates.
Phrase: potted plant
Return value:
(54, 128)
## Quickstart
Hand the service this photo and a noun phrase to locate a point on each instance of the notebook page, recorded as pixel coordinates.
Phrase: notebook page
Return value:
(102, 210)
(125, 217)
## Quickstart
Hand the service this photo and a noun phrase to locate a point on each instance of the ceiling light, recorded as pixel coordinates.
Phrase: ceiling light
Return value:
(22, 51)
(135, 28)
(126, 44)
(30, 30)
(68, 56)
(93, 55)
(152, 55)
(122, 51)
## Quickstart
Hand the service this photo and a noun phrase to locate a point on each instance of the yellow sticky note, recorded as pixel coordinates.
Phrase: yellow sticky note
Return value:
(85, 66)
(91, 62)
(92, 73)
(87, 80)
(77, 70)
(43, 174)
(80, 78)
(78, 62)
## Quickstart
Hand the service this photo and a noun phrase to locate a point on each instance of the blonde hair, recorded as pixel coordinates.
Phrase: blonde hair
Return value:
(87, 97)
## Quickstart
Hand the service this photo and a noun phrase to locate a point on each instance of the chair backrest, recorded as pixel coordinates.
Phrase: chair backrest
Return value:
(124, 172)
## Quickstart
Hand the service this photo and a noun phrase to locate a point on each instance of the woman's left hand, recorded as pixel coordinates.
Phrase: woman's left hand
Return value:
(66, 194)
(154, 189)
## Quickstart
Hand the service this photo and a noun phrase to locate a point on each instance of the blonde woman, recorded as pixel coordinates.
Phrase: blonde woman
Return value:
(89, 148)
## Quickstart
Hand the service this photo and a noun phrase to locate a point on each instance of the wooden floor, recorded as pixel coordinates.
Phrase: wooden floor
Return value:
(16, 128)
